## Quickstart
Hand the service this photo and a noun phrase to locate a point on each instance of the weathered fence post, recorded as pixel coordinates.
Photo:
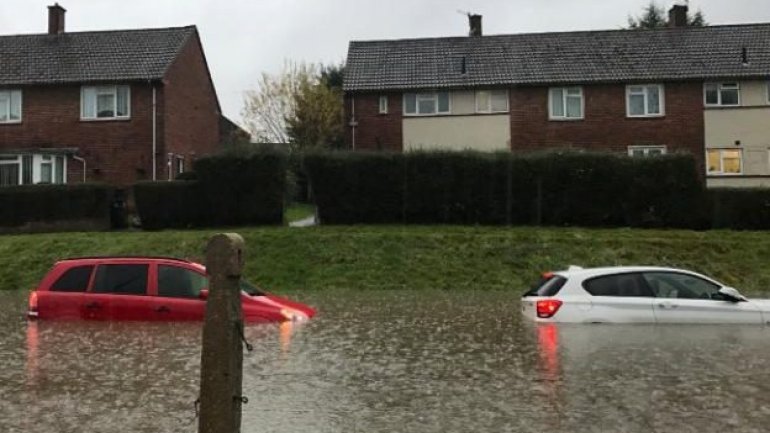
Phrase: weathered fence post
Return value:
(222, 354)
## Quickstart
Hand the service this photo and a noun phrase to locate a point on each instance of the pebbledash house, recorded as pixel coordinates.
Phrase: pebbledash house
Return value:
(641, 92)
(112, 106)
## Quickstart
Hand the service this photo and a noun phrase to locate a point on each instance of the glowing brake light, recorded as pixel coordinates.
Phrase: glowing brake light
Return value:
(32, 307)
(547, 308)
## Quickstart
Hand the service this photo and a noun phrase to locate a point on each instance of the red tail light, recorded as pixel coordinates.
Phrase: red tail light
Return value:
(547, 308)
(32, 307)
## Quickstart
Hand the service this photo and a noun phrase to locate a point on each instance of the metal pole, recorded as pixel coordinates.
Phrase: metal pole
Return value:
(222, 353)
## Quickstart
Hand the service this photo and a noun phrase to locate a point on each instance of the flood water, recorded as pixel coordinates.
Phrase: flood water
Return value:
(391, 362)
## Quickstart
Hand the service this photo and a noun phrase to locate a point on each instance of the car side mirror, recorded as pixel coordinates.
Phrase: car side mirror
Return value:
(204, 294)
(732, 294)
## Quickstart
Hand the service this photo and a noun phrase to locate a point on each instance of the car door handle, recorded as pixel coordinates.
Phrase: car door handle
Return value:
(665, 305)
(163, 309)
(93, 305)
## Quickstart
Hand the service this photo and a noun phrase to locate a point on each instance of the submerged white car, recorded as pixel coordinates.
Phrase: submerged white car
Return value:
(638, 295)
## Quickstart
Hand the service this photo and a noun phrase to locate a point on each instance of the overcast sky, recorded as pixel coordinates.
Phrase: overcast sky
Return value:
(242, 38)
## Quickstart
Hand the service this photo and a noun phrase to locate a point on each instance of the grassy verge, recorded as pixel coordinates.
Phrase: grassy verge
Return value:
(298, 211)
(370, 257)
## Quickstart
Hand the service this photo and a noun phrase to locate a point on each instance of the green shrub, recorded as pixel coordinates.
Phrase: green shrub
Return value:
(55, 205)
(239, 189)
(174, 204)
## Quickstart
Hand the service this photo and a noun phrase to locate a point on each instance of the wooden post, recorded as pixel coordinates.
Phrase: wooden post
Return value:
(222, 354)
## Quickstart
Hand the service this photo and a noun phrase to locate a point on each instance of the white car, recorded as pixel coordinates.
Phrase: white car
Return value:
(638, 295)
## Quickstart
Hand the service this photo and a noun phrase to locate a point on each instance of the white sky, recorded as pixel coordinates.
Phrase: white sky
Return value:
(242, 38)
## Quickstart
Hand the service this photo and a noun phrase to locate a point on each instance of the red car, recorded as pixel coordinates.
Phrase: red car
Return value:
(144, 288)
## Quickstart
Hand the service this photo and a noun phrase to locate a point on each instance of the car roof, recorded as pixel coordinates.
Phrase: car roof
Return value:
(129, 258)
(575, 271)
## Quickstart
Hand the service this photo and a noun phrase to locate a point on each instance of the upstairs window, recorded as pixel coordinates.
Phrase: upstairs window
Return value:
(10, 106)
(722, 94)
(105, 102)
(383, 104)
(644, 100)
(426, 104)
(566, 103)
(492, 101)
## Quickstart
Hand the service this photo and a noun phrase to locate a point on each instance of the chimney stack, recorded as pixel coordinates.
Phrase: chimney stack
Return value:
(475, 23)
(677, 15)
(56, 19)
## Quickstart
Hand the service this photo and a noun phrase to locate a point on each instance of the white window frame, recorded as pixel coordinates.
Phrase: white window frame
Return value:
(721, 86)
(645, 94)
(721, 171)
(178, 165)
(105, 90)
(646, 149)
(383, 107)
(425, 96)
(38, 160)
(564, 97)
(6, 96)
(488, 109)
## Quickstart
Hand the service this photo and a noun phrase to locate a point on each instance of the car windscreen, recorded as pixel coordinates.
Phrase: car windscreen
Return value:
(251, 289)
(548, 285)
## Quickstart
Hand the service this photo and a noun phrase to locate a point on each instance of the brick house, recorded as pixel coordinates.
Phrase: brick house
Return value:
(640, 92)
(114, 106)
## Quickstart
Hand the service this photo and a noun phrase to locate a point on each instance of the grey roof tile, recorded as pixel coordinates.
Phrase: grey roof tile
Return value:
(568, 57)
(118, 55)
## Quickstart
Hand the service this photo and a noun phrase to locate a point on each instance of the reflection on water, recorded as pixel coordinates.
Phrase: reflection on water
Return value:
(391, 362)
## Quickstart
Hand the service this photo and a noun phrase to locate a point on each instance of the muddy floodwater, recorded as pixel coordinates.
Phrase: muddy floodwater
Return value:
(391, 362)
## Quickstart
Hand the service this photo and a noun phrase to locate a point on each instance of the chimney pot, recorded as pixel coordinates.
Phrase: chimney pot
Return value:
(677, 15)
(475, 23)
(56, 19)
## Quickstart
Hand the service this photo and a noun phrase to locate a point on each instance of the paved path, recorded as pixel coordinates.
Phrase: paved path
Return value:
(307, 222)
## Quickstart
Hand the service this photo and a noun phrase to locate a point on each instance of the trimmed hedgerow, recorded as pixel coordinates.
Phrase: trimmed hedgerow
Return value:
(560, 188)
(740, 208)
(231, 189)
(56, 206)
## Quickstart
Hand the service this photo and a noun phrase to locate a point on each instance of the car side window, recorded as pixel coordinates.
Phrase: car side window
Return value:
(625, 285)
(121, 279)
(177, 282)
(73, 280)
(683, 286)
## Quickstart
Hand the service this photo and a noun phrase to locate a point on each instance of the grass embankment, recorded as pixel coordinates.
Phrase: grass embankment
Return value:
(370, 257)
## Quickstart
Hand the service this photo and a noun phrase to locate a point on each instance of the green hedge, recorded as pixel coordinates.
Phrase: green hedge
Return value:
(231, 189)
(740, 208)
(57, 207)
(561, 188)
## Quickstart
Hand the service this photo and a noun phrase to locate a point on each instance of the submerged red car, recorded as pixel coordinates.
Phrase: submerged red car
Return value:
(144, 288)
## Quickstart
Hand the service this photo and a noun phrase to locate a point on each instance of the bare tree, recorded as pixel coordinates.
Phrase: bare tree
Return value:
(267, 108)
(654, 16)
(318, 120)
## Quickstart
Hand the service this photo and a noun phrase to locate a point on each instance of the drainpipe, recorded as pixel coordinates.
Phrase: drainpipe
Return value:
(154, 135)
(82, 161)
(353, 122)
